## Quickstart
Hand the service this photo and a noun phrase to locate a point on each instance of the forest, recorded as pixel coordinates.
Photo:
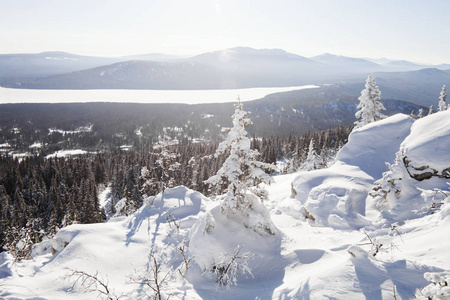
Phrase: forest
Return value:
(39, 196)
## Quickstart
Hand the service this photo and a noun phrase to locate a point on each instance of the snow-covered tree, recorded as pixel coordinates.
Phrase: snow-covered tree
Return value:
(420, 114)
(312, 159)
(442, 105)
(168, 168)
(241, 172)
(369, 106)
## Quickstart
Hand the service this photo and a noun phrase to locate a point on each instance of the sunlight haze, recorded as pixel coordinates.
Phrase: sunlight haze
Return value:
(409, 30)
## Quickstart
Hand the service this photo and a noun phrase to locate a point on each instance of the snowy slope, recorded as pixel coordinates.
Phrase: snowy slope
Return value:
(323, 254)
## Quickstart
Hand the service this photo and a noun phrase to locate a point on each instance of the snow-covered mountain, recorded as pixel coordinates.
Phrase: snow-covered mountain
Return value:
(136, 74)
(421, 85)
(244, 57)
(360, 229)
(348, 63)
(239, 67)
(231, 68)
(20, 67)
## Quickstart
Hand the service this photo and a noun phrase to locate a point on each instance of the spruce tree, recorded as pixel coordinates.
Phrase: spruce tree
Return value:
(241, 171)
(369, 106)
(442, 105)
(312, 159)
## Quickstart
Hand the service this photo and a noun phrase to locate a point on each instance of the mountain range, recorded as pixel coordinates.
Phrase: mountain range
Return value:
(239, 67)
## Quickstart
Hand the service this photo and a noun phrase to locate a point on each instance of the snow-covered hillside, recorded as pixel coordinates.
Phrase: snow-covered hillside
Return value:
(361, 229)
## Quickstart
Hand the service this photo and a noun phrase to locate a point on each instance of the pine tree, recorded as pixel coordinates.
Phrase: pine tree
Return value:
(442, 105)
(369, 106)
(241, 171)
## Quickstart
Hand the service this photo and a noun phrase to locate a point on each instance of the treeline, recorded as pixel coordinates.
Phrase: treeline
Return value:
(39, 196)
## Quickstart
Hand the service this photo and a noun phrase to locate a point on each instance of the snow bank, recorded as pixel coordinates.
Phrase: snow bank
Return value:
(337, 196)
(216, 237)
(331, 197)
(115, 251)
(369, 147)
(411, 187)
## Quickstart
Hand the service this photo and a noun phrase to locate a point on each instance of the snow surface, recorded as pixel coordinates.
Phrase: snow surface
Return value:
(139, 96)
(370, 151)
(330, 257)
(36, 145)
(64, 153)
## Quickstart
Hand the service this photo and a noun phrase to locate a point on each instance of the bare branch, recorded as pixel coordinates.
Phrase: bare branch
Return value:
(156, 280)
(186, 261)
(91, 283)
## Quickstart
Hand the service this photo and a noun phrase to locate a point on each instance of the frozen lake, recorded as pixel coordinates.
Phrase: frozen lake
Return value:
(139, 96)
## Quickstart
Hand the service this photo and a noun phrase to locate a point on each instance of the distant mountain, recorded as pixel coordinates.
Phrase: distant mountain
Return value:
(350, 64)
(16, 67)
(232, 68)
(443, 67)
(247, 67)
(239, 67)
(402, 65)
(421, 86)
(243, 57)
(134, 75)
(397, 65)
(160, 57)
(24, 67)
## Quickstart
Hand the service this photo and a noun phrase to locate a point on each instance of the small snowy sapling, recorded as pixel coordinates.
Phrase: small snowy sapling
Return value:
(231, 266)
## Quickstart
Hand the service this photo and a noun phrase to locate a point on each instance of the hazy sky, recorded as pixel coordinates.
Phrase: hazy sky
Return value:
(416, 30)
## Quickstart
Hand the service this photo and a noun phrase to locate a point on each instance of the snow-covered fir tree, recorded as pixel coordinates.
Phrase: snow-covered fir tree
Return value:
(442, 105)
(369, 107)
(420, 114)
(241, 172)
(295, 162)
(166, 164)
(312, 159)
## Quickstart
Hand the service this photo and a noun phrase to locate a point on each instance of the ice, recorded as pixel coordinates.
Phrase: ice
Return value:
(139, 96)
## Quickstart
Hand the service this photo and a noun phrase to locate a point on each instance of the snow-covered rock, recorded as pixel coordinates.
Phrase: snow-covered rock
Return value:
(426, 150)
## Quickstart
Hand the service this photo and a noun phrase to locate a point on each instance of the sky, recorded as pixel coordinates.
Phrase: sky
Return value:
(413, 30)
